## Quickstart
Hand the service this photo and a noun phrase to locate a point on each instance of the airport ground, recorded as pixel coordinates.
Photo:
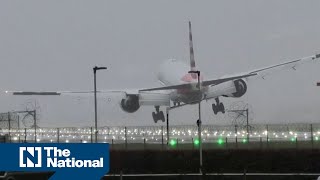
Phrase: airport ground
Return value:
(243, 161)
(261, 164)
(285, 152)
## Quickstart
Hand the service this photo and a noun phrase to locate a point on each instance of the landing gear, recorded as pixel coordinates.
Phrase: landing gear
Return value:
(218, 107)
(158, 115)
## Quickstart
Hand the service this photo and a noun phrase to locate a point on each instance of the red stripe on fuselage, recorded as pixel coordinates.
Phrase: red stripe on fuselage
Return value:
(189, 78)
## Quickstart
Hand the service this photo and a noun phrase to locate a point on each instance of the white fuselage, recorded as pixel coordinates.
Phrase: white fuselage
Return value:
(174, 72)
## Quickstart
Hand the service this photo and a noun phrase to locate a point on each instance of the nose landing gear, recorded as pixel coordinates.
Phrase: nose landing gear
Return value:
(218, 107)
(158, 115)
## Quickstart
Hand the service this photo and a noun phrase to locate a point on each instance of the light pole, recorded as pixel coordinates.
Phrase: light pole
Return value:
(9, 127)
(95, 69)
(199, 120)
(35, 125)
(168, 133)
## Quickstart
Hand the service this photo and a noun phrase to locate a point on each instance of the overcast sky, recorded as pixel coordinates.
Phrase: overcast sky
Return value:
(53, 45)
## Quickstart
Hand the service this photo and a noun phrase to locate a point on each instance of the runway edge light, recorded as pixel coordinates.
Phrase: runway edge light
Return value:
(220, 141)
(173, 142)
(196, 142)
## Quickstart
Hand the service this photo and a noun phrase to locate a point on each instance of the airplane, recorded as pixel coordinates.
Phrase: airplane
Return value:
(184, 85)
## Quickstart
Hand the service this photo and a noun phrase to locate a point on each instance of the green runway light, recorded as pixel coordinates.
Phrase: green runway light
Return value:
(293, 139)
(173, 142)
(220, 141)
(244, 140)
(316, 138)
(196, 142)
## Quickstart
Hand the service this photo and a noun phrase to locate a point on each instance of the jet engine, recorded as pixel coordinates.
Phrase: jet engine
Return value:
(241, 88)
(130, 104)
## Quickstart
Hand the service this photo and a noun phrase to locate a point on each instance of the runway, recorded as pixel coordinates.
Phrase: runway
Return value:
(259, 133)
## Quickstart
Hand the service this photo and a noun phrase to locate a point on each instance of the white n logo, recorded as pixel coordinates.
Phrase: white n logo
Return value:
(30, 156)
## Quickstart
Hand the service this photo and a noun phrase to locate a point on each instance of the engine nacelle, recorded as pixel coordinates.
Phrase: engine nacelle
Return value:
(130, 104)
(241, 88)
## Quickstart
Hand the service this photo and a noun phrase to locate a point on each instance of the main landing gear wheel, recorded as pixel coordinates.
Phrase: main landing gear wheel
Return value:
(218, 107)
(158, 115)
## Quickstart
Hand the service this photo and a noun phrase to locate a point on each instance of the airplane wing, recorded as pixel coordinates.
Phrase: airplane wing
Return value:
(261, 72)
(60, 93)
(159, 98)
(90, 93)
(293, 65)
